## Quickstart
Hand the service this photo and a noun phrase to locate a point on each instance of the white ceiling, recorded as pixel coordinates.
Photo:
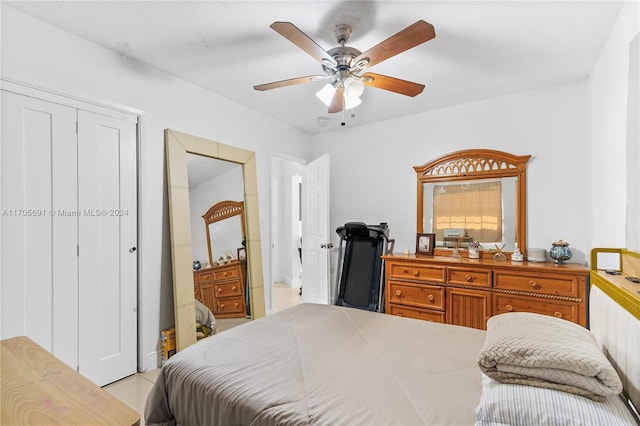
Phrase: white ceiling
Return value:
(482, 49)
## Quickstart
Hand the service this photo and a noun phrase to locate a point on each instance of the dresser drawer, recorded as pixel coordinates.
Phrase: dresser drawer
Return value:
(226, 274)
(203, 277)
(421, 314)
(434, 274)
(230, 305)
(469, 276)
(556, 308)
(539, 283)
(232, 288)
(419, 295)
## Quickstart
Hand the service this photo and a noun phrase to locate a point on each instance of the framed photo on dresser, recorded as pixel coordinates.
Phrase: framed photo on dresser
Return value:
(425, 243)
(242, 253)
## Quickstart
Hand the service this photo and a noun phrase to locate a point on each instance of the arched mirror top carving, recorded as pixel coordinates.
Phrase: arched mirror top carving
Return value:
(232, 232)
(464, 170)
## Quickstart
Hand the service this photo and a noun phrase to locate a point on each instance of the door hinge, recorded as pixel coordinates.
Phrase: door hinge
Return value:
(76, 126)
(78, 250)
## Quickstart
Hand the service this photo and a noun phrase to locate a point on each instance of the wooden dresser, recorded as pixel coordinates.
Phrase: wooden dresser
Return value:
(222, 289)
(467, 292)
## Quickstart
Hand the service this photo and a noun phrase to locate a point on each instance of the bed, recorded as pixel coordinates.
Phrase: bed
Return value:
(329, 365)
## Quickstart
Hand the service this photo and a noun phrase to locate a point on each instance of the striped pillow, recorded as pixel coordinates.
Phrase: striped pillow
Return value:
(510, 404)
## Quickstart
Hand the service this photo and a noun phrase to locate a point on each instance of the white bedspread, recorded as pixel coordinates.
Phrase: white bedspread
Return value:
(323, 365)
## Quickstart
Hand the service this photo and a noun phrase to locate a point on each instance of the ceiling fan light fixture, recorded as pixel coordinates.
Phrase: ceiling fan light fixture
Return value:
(353, 88)
(326, 94)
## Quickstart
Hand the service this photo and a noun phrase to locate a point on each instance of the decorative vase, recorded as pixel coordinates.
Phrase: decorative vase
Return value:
(499, 255)
(560, 251)
(474, 253)
(196, 265)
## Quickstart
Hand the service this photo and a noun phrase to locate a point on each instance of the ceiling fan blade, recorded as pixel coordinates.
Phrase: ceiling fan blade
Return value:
(410, 37)
(337, 102)
(289, 82)
(303, 41)
(392, 84)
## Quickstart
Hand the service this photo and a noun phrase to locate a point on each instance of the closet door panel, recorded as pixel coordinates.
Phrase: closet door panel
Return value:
(107, 237)
(38, 279)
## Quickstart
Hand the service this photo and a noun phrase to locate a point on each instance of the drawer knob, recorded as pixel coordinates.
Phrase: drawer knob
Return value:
(468, 277)
(224, 274)
(233, 288)
(533, 284)
(222, 306)
(415, 273)
(430, 297)
(236, 304)
(398, 315)
(557, 314)
(509, 308)
(398, 292)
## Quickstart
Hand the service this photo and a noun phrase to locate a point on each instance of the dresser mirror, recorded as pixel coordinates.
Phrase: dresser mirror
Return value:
(185, 248)
(473, 195)
(224, 227)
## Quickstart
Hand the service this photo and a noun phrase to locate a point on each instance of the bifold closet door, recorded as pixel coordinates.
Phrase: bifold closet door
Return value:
(68, 256)
(107, 247)
(38, 253)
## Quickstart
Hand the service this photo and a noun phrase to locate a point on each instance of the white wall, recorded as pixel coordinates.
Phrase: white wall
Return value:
(608, 90)
(41, 55)
(372, 176)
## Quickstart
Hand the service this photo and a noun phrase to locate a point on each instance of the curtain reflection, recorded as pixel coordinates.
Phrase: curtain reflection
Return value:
(472, 207)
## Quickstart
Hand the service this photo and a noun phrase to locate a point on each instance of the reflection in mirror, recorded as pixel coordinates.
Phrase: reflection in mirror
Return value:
(225, 238)
(179, 146)
(474, 195)
(211, 181)
(475, 210)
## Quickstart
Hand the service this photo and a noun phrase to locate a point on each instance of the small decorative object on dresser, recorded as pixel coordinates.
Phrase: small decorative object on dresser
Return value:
(242, 253)
(474, 250)
(499, 256)
(196, 265)
(425, 243)
(537, 255)
(560, 251)
(516, 256)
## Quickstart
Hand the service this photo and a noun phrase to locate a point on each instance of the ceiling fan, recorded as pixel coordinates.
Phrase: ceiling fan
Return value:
(346, 65)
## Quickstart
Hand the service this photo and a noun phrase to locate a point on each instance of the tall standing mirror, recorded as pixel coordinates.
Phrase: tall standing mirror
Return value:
(475, 195)
(196, 199)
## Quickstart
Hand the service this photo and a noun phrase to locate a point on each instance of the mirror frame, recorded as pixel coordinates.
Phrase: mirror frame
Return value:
(220, 211)
(473, 164)
(177, 146)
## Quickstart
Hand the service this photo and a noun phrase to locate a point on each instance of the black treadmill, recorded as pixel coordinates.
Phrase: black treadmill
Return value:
(360, 270)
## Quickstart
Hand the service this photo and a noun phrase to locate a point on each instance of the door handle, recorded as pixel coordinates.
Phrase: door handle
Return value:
(133, 249)
(326, 246)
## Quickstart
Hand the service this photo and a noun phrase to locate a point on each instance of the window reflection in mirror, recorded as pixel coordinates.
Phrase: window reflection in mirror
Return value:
(483, 210)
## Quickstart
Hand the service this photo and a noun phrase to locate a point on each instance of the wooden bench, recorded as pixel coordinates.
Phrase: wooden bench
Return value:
(36, 388)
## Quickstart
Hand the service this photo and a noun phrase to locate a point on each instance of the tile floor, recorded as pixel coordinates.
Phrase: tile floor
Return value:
(283, 296)
(133, 390)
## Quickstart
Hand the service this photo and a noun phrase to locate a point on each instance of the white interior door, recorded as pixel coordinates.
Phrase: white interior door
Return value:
(107, 247)
(316, 243)
(38, 228)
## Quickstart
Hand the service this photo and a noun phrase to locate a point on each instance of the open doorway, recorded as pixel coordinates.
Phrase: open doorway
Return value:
(286, 233)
